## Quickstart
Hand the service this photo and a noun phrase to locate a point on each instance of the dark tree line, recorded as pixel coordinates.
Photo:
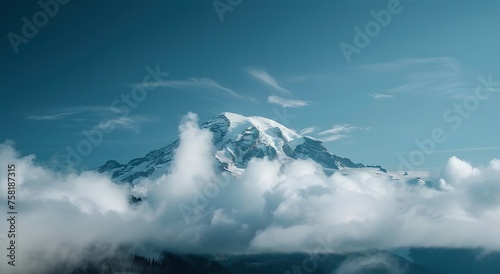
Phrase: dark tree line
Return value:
(172, 263)
(169, 263)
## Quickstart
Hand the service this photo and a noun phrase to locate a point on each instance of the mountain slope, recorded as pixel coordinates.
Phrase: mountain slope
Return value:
(237, 139)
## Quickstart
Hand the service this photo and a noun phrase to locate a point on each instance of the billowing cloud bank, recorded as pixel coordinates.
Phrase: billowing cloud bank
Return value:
(194, 208)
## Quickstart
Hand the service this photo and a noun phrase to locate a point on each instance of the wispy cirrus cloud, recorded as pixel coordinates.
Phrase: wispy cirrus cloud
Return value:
(380, 96)
(200, 83)
(453, 150)
(131, 123)
(338, 132)
(267, 79)
(307, 130)
(104, 118)
(287, 102)
(332, 138)
(341, 128)
(51, 117)
(76, 112)
(441, 76)
(211, 83)
(409, 62)
(320, 76)
(94, 109)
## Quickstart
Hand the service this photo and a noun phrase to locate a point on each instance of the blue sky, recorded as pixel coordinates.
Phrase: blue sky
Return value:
(277, 59)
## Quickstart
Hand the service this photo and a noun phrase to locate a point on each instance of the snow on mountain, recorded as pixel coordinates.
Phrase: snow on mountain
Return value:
(237, 139)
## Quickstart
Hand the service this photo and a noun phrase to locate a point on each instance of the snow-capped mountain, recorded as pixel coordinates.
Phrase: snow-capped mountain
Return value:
(237, 139)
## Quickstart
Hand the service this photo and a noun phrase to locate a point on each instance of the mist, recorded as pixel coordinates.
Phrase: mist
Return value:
(269, 208)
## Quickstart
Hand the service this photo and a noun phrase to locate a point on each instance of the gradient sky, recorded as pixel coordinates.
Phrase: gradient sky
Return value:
(277, 59)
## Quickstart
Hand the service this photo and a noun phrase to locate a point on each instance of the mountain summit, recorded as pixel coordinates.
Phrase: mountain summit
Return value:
(237, 139)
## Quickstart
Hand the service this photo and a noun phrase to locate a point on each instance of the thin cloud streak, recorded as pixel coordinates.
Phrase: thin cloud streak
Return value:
(200, 82)
(94, 109)
(266, 78)
(341, 128)
(338, 132)
(287, 102)
(441, 76)
(104, 118)
(404, 63)
(101, 111)
(333, 138)
(51, 117)
(269, 80)
(307, 130)
(456, 150)
(129, 123)
(377, 96)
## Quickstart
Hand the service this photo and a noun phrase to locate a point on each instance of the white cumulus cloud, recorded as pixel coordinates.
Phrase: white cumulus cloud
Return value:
(195, 208)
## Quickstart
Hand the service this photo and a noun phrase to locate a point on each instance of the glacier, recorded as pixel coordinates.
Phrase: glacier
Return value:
(237, 139)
